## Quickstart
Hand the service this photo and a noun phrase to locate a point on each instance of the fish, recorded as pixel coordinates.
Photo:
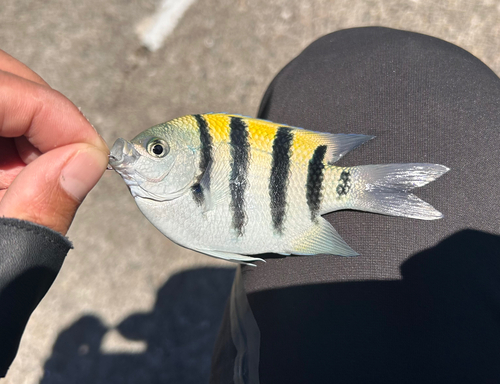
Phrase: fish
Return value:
(235, 187)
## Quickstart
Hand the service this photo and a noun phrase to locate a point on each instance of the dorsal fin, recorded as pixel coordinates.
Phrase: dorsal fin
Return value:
(338, 144)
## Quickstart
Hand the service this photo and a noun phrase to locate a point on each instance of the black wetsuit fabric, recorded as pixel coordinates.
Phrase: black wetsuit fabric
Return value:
(422, 301)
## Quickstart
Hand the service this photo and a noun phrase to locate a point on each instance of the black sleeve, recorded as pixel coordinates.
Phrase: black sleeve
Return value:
(30, 258)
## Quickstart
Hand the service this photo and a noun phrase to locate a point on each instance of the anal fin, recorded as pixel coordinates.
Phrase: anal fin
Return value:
(321, 238)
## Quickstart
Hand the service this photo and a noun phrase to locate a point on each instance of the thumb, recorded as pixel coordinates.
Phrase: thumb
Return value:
(49, 190)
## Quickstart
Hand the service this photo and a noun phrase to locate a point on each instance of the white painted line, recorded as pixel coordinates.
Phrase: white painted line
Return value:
(155, 29)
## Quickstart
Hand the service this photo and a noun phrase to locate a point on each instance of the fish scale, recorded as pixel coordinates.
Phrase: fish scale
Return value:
(234, 187)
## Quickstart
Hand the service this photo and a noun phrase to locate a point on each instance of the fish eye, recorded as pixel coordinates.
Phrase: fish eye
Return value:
(157, 147)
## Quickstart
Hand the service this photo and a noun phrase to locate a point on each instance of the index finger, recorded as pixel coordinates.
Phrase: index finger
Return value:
(44, 116)
(14, 66)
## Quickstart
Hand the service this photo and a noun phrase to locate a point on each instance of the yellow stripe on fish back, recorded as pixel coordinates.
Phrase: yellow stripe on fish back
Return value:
(262, 134)
(304, 145)
(218, 125)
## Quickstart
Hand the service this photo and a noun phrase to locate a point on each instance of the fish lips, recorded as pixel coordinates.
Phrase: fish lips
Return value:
(123, 154)
(122, 157)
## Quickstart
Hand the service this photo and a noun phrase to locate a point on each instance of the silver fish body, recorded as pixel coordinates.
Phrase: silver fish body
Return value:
(234, 187)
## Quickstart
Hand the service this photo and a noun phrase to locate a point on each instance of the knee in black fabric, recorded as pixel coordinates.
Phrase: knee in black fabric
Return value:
(425, 100)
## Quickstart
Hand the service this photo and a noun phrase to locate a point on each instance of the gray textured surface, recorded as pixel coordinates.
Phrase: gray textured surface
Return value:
(130, 306)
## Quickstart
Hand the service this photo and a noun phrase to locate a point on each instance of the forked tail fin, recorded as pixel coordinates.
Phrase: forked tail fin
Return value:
(385, 189)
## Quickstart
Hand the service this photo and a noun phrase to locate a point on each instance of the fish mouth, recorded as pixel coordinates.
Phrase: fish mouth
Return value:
(122, 154)
(122, 157)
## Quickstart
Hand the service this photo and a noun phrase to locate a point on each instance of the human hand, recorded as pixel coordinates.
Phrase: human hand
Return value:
(50, 155)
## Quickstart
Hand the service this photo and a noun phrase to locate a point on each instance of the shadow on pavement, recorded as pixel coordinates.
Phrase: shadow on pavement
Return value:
(180, 333)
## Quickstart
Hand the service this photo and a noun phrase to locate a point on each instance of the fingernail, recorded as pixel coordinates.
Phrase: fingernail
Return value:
(82, 172)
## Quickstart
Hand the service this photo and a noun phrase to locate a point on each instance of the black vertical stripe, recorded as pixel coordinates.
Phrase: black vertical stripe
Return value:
(278, 181)
(315, 180)
(240, 153)
(205, 159)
